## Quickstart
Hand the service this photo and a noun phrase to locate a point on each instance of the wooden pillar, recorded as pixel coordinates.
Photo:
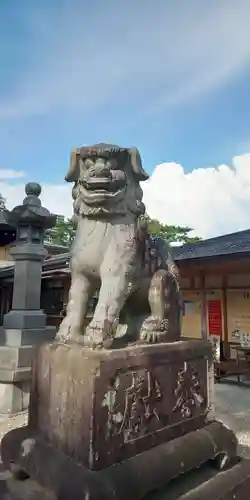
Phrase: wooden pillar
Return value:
(226, 346)
(203, 306)
(2, 290)
(192, 282)
(5, 300)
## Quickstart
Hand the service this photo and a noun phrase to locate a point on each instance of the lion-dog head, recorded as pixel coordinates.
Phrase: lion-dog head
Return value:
(106, 181)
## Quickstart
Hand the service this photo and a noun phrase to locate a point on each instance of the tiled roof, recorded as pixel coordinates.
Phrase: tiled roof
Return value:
(54, 262)
(64, 248)
(228, 244)
(4, 263)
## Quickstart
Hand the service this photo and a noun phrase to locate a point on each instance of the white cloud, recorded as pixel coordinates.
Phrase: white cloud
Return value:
(154, 58)
(212, 201)
(6, 173)
(55, 197)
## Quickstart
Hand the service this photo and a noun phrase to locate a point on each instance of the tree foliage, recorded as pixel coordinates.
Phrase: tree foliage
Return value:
(64, 231)
(174, 234)
(2, 202)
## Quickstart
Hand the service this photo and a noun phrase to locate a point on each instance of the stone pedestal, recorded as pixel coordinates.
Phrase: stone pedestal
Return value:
(120, 422)
(16, 354)
(102, 407)
(25, 325)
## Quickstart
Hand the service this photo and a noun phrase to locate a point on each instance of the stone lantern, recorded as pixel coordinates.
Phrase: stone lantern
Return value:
(24, 326)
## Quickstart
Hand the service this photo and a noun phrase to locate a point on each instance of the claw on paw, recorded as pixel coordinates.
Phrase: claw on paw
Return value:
(153, 331)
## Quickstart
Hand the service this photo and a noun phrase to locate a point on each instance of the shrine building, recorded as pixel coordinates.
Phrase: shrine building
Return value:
(215, 285)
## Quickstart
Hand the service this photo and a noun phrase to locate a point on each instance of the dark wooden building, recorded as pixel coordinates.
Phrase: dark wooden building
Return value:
(215, 282)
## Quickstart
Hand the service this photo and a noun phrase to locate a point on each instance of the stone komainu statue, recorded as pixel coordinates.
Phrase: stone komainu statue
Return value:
(138, 281)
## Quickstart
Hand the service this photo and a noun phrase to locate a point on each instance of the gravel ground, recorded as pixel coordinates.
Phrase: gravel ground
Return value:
(232, 407)
(6, 424)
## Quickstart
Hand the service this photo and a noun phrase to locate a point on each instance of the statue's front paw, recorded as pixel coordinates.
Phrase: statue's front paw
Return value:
(149, 337)
(68, 334)
(63, 336)
(98, 336)
(153, 330)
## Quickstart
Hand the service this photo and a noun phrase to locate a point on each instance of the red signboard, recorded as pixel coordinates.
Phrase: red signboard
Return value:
(214, 317)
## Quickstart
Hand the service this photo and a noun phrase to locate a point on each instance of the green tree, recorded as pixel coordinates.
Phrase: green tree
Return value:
(2, 202)
(62, 233)
(174, 234)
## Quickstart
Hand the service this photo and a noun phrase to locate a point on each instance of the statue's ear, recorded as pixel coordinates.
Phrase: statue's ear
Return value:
(135, 160)
(74, 166)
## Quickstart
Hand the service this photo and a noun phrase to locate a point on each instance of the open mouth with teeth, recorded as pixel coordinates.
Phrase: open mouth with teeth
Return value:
(97, 190)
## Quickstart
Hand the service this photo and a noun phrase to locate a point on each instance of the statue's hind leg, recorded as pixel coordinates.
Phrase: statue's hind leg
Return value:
(79, 293)
(163, 325)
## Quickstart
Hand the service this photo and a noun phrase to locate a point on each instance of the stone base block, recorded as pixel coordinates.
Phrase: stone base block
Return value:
(14, 397)
(131, 479)
(24, 319)
(15, 366)
(12, 358)
(101, 407)
(15, 378)
(14, 337)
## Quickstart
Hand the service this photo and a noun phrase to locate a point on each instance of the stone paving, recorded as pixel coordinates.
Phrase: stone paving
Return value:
(232, 407)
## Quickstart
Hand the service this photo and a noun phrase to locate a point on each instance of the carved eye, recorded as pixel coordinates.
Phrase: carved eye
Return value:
(88, 163)
(112, 164)
(100, 162)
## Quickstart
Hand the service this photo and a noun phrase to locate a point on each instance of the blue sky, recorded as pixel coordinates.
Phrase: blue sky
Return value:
(170, 77)
(77, 72)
